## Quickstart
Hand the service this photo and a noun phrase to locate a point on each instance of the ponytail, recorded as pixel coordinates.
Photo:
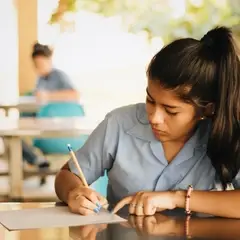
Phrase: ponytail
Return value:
(224, 141)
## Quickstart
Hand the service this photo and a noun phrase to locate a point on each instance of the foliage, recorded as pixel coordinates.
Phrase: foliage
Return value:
(63, 7)
(158, 17)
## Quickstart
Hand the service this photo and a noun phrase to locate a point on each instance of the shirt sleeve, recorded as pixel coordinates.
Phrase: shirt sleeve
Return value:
(236, 181)
(98, 153)
(64, 82)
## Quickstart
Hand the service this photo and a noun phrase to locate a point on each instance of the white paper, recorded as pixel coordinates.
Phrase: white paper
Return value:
(52, 217)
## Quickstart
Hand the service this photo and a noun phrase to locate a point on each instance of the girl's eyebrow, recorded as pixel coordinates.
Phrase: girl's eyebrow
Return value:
(165, 105)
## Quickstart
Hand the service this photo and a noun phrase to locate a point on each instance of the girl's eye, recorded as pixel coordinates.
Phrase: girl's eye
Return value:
(167, 111)
(171, 113)
(150, 101)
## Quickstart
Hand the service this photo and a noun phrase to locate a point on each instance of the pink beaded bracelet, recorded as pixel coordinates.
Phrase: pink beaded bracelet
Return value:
(187, 201)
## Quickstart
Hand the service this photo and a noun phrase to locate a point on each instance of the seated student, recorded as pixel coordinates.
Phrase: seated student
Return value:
(52, 85)
(187, 133)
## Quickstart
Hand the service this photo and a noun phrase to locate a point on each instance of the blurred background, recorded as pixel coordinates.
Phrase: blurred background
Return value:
(104, 46)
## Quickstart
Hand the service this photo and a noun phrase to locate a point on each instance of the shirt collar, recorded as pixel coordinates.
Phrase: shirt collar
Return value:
(142, 128)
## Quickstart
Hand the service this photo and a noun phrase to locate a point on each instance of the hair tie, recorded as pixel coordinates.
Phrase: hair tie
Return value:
(207, 40)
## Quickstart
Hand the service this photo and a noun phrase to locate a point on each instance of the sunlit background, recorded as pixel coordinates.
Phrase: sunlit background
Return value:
(105, 46)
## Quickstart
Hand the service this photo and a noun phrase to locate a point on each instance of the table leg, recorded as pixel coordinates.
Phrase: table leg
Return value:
(6, 110)
(15, 168)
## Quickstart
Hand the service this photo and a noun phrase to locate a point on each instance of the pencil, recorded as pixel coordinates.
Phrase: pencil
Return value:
(80, 172)
(81, 175)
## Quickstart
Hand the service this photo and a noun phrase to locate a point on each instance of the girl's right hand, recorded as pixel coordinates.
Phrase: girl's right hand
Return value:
(85, 201)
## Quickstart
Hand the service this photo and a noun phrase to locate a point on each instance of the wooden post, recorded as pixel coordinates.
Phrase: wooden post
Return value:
(27, 35)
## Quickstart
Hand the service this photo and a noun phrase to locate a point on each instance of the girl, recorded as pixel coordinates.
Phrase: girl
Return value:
(187, 133)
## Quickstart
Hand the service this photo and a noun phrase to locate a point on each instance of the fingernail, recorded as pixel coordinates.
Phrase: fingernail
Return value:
(98, 205)
(96, 210)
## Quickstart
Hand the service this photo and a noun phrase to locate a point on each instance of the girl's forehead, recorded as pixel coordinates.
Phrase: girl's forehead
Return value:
(162, 95)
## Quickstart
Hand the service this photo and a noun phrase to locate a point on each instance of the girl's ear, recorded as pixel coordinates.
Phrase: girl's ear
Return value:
(209, 110)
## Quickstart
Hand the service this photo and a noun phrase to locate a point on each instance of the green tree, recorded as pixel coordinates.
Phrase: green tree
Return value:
(158, 17)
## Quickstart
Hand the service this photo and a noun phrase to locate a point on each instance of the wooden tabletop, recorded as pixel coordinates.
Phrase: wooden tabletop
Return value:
(23, 104)
(159, 226)
(47, 127)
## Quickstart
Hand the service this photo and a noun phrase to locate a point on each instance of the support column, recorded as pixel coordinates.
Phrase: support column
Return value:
(27, 35)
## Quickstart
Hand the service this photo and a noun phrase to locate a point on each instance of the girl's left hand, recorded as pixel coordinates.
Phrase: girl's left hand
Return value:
(148, 203)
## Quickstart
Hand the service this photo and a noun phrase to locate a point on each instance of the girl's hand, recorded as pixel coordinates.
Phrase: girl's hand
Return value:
(85, 201)
(148, 203)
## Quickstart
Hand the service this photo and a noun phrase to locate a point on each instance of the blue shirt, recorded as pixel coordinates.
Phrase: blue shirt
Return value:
(124, 145)
(56, 80)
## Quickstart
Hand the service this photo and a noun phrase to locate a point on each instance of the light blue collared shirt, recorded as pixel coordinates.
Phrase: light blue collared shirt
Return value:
(56, 80)
(124, 145)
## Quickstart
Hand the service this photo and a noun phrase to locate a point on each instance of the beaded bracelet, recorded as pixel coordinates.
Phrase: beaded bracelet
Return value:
(187, 201)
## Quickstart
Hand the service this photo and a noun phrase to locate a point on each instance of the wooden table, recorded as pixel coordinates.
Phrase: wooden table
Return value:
(15, 129)
(161, 226)
(27, 104)
(23, 104)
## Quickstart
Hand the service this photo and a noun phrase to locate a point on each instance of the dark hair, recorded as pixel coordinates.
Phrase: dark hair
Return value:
(203, 72)
(41, 50)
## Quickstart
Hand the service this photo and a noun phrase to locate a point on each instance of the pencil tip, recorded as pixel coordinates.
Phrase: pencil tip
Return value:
(69, 147)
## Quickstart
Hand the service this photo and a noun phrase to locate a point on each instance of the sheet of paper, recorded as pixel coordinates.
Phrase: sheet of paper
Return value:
(52, 217)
